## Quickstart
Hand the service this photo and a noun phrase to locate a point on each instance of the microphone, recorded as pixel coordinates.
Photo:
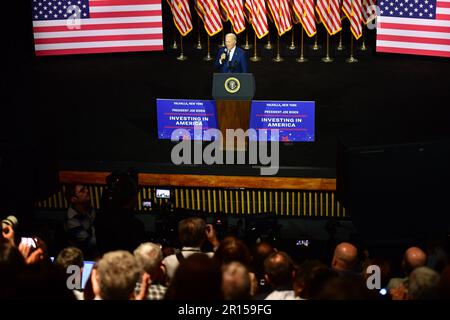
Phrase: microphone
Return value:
(224, 55)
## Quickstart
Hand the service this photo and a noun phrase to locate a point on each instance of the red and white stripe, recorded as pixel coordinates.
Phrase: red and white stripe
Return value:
(368, 10)
(353, 11)
(281, 14)
(235, 12)
(113, 26)
(181, 15)
(304, 10)
(208, 10)
(416, 36)
(258, 16)
(328, 11)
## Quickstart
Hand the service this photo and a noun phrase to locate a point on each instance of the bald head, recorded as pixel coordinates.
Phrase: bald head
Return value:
(345, 256)
(414, 257)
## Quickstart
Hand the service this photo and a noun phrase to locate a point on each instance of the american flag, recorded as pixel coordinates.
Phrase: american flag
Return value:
(369, 12)
(235, 12)
(95, 26)
(329, 13)
(304, 10)
(208, 10)
(281, 14)
(419, 27)
(181, 15)
(258, 16)
(353, 11)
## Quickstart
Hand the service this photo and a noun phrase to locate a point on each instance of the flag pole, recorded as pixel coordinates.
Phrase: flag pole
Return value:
(292, 46)
(174, 46)
(278, 57)
(223, 39)
(255, 57)
(247, 46)
(316, 45)
(340, 46)
(181, 57)
(268, 46)
(199, 43)
(301, 58)
(327, 58)
(363, 46)
(208, 55)
(351, 59)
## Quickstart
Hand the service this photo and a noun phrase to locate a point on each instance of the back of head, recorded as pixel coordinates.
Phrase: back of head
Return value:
(279, 269)
(118, 274)
(121, 191)
(344, 288)
(192, 232)
(235, 281)
(345, 257)
(423, 283)
(11, 265)
(232, 249)
(198, 277)
(148, 257)
(305, 276)
(444, 284)
(260, 252)
(69, 256)
(414, 257)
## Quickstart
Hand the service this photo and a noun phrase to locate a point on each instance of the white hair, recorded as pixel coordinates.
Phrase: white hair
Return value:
(231, 35)
(423, 283)
(148, 256)
(118, 273)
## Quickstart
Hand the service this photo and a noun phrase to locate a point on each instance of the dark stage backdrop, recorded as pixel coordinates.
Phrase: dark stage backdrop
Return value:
(101, 108)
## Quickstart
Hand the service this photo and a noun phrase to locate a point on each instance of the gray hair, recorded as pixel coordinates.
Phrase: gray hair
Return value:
(118, 273)
(148, 257)
(235, 281)
(423, 283)
(231, 35)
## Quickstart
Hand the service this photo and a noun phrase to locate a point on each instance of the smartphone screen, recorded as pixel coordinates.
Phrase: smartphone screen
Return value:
(87, 269)
(163, 193)
(28, 241)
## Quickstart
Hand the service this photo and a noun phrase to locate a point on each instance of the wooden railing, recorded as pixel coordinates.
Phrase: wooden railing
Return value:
(302, 197)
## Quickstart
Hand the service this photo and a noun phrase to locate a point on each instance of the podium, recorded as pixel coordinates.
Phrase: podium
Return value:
(233, 93)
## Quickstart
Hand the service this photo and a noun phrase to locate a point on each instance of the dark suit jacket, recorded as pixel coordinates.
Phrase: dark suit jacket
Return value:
(237, 64)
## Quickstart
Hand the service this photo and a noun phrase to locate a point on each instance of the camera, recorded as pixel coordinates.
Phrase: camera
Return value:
(163, 193)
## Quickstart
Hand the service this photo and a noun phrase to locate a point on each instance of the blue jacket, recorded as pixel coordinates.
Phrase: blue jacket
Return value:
(237, 64)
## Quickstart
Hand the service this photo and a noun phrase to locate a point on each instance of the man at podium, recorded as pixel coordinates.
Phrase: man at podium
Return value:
(231, 58)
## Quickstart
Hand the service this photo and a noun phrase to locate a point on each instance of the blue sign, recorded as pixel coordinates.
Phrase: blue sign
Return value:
(182, 116)
(293, 119)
